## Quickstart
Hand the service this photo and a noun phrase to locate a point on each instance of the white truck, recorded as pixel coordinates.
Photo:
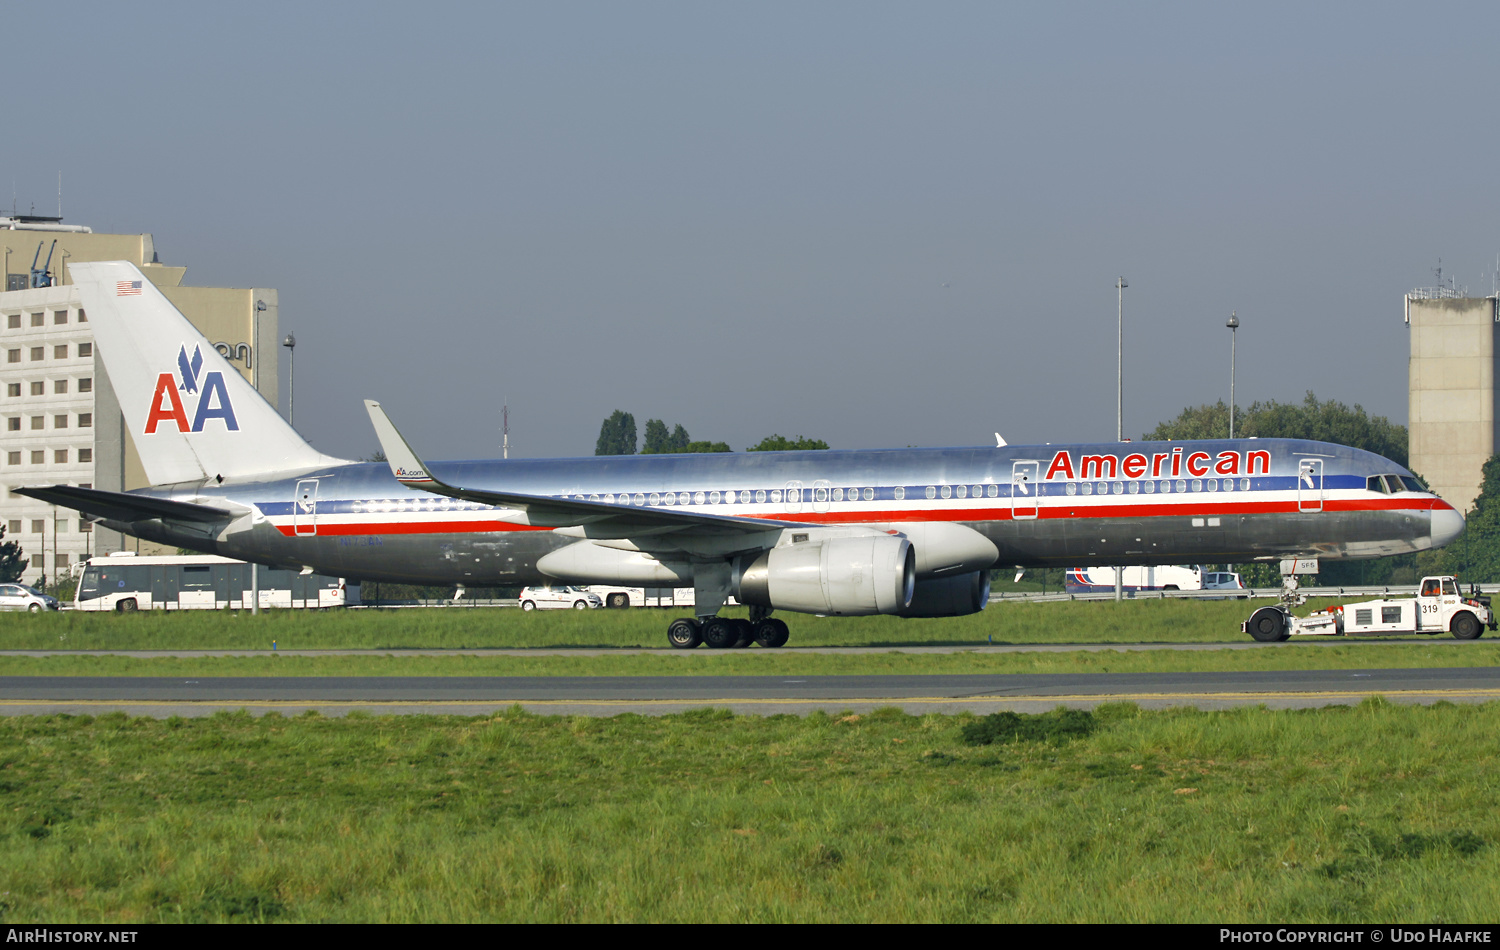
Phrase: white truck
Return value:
(1439, 607)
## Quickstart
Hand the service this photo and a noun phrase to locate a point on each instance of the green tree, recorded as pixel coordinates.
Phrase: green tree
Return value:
(1323, 421)
(780, 443)
(616, 435)
(12, 565)
(708, 447)
(1475, 554)
(658, 442)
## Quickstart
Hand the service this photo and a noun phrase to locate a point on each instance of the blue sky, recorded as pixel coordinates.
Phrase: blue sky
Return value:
(876, 224)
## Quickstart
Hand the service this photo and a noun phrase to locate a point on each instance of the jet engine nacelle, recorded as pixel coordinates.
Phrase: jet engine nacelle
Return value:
(955, 596)
(854, 576)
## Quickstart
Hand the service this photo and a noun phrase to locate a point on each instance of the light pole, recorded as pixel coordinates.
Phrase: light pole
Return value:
(1233, 323)
(291, 375)
(255, 356)
(1120, 286)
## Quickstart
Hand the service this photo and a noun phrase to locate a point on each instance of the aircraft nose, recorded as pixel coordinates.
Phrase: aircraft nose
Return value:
(1447, 523)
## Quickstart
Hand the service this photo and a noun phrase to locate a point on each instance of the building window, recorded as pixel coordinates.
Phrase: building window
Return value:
(36, 525)
(12, 356)
(85, 484)
(62, 562)
(13, 458)
(12, 389)
(15, 526)
(85, 527)
(13, 424)
(60, 422)
(85, 455)
(60, 456)
(13, 321)
(59, 317)
(38, 389)
(86, 384)
(85, 420)
(38, 457)
(82, 317)
(38, 353)
(38, 319)
(60, 385)
(60, 351)
(38, 422)
(85, 350)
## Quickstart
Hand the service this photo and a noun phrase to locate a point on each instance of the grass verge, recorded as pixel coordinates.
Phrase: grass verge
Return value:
(1373, 813)
(1144, 621)
(771, 663)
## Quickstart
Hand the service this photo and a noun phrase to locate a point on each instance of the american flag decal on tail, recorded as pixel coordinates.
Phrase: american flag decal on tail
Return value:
(127, 288)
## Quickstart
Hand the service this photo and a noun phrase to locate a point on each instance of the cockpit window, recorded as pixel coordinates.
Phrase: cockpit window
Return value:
(1393, 484)
(1376, 483)
(1411, 483)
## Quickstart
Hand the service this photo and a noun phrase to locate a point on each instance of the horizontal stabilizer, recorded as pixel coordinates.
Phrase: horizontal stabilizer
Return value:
(123, 506)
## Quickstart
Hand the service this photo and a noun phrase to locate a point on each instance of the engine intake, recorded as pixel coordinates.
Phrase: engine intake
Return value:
(855, 576)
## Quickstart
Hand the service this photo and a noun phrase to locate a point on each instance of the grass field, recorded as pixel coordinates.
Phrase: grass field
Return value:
(1372, 813)
(1291, 656)
(1174, 621)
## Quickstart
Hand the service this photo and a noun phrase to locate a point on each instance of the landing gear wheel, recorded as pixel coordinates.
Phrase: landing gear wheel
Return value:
(1466, 627)
(771, 633)
(720, 633)
(1268, 625)
(746, 631)
(684, 634)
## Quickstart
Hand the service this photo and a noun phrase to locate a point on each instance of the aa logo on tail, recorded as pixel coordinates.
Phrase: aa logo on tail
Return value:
(213, 397)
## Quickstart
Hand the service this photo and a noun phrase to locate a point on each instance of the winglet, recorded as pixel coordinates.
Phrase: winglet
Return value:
(404, 463)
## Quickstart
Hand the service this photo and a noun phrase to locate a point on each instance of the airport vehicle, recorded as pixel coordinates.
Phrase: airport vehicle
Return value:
(618, 597)
(1095, 580)
(910, 532)
(21, 597)
(1222, 580)
(126, 583)
(1439, 607)
(550, 597)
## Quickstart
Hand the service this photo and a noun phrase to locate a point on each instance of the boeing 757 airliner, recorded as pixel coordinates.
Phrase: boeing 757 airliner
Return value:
(911, 532)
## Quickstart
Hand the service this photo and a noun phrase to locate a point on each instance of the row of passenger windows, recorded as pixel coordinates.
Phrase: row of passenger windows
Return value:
(59, 352)
(1151, 488)
(429, 503)
(774, 496)
(38, 387)
(59, 317)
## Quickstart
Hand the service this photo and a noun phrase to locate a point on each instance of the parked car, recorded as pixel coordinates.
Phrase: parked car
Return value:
(21, 597)
(551, 598)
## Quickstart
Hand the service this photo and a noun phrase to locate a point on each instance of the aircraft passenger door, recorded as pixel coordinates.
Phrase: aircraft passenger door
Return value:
(794, 496)
(1310, 485)
(305, 508)
(1024, 488)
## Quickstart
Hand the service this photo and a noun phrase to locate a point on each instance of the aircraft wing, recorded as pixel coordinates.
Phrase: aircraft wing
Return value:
(598, 519)
(123, 506)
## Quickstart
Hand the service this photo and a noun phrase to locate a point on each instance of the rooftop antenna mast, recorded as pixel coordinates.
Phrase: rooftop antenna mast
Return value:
(505, 431)
(59, 194)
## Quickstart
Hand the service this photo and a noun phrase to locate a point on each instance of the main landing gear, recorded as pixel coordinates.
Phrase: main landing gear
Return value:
(725, 633)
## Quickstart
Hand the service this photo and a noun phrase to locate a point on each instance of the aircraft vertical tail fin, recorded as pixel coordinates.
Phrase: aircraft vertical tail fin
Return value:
(191, 415)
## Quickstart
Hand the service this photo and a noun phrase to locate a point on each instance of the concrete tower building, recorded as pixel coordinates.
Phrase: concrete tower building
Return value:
(1451, 389)
(59, 420)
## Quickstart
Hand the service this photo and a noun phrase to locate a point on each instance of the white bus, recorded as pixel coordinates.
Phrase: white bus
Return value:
(127, 582)
(1099, 580)
(644, 596)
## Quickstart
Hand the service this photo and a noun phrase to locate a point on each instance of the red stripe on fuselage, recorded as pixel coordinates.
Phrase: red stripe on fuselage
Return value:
(1046, 512)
